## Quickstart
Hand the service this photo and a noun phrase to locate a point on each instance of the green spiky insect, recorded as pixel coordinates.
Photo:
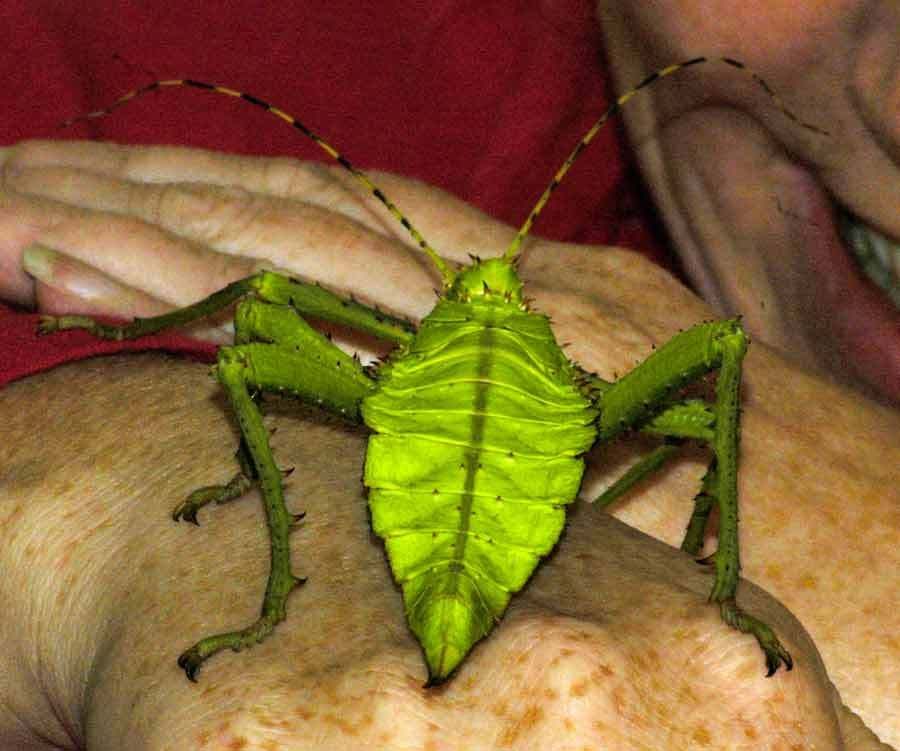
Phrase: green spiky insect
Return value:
(479, 426)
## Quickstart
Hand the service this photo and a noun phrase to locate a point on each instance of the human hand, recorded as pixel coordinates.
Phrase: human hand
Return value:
(128, 232)
(748, 197)
(611, 305)
(611, 645)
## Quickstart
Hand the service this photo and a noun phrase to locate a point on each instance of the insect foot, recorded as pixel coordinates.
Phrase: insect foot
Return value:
(191, 660)
(51, 324)
(776, 655)
(233, 489)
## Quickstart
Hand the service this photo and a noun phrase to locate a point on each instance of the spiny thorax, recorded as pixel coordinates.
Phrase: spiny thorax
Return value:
(483, 292)
(493, 278)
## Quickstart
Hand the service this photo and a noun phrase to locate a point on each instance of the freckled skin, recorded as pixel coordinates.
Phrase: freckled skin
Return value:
(335, 676)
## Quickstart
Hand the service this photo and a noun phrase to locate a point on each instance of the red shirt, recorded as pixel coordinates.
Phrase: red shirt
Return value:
(482, 99)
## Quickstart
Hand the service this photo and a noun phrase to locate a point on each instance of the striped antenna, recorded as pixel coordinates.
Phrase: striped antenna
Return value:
(515, 246)
(446, 272)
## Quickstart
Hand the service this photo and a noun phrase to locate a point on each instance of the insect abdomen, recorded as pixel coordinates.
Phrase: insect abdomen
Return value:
(480, 429)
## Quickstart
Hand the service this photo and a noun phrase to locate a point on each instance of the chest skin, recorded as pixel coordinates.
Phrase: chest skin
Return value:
(479, 427)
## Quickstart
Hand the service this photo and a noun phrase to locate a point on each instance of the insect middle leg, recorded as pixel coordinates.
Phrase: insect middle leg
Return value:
(640, 400)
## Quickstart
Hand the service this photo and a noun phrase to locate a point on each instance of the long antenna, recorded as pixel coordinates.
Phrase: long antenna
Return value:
(446, 272)
(515, 246)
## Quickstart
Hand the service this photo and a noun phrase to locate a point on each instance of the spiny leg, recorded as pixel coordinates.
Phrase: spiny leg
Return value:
(690, 419)
(295, 360)
(631, 403)
(308, 367)
(305, 298)
(647, 465)
(703, 504)
(232, 376)
(231, 490)
(139, 327)
(732, 348)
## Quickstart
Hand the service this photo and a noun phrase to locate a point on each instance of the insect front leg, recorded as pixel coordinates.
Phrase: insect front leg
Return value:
(306, 298)
(639, 400)
(303, 297)
(295, 360)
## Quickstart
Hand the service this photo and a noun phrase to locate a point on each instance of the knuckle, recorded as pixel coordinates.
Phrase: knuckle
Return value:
(21, 155)
(395, 709)
(567, 656)
(289, 178)
(312, 184)
(219, 216)
(378, 703)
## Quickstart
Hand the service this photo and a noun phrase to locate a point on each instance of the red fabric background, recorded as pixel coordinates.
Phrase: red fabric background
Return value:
(484, 99)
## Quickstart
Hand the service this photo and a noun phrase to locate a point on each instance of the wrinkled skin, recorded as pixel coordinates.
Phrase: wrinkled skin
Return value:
(610, 645)
(745, 193)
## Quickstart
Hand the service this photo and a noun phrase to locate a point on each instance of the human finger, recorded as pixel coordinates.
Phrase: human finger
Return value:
(181, 268)
(53, 169)
(133, 252)
(64, 285)
(284, 232)
(74, 172)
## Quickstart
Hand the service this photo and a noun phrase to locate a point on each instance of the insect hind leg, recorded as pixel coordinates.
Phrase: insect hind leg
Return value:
(634, 401)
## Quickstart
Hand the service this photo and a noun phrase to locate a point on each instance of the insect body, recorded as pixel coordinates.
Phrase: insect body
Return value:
(479, 422)
(481, 425)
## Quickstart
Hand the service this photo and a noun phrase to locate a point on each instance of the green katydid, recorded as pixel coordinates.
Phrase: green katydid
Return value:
(479, 426)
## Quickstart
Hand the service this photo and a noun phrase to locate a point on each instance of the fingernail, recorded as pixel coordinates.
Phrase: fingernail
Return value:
(67, 274)
(40, 261)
